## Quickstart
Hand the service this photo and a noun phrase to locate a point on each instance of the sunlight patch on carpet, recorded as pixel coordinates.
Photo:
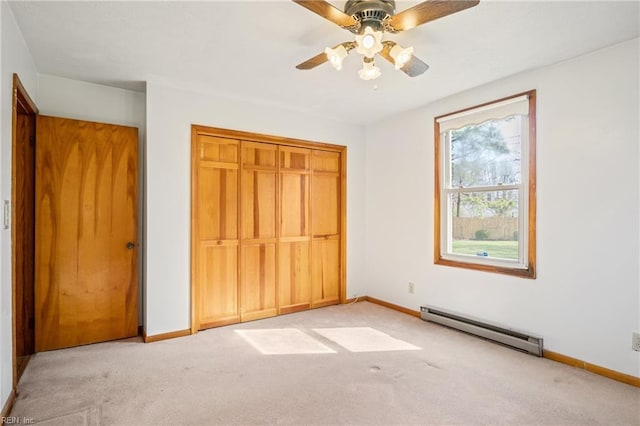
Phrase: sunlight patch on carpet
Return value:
(283, 341)
(364, 339)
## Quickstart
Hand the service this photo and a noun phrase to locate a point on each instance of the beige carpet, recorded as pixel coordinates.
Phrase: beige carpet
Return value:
(219, 377)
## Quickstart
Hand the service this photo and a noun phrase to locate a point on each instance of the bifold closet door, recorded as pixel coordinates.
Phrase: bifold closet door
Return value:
(294, 245)
(267, 234)
(325, 223)
(259, 206)
(216, 274)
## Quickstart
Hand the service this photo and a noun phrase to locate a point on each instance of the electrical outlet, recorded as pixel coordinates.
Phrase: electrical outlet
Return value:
(411, 287)
(635, 342)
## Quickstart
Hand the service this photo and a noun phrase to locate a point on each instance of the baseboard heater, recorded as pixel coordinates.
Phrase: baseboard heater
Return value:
(506, 336)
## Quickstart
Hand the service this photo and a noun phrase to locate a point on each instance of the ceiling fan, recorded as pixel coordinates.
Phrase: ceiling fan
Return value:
(369, 20)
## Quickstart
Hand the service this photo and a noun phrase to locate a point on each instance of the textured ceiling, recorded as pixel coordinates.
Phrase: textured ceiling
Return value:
(249, 49)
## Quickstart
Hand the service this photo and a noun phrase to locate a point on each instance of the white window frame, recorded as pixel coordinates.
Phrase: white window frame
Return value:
(521, 104)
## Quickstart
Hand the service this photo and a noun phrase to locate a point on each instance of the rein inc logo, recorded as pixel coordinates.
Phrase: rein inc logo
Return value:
(14, 420)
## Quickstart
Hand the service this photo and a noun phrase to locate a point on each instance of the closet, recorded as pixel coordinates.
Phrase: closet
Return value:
(268, 226)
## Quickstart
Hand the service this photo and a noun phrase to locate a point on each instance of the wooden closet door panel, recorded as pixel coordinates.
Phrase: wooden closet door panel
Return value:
(325, 219)
(294, 250)
(294, 276)
(294, 191)
(326, 195)
(259, 155)
(259, 204)
(259, 231)
(218, 164)
(222, 151)
(218, 202)
(258, 281)
(217, 207)
(325, 161)
(294, 159)
(218, 285)
(294, 205)
(325, 271)
(325, 205)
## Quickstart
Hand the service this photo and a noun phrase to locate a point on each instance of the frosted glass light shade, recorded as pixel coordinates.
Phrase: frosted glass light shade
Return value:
(369, 42)
(401, 56)
(369, 71)
(336, 56)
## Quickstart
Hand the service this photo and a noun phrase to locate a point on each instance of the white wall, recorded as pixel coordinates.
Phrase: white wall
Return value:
(585, 301)
(80, 100)
(14, 58)
(170, 114)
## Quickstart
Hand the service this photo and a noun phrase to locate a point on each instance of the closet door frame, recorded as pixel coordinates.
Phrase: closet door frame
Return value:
(197, 130)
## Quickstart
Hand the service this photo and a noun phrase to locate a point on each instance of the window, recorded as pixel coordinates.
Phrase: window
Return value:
(485, 182)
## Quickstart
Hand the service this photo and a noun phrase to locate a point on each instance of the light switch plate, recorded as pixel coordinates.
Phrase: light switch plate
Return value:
(6, 214)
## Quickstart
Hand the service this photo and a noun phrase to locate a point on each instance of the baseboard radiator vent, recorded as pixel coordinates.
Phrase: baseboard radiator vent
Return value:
(506, 336)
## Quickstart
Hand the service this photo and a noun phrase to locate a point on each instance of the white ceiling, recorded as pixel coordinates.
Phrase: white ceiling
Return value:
(249, 49)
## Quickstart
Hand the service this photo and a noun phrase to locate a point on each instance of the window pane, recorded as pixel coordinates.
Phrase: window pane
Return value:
(487, 189)
(486, 154)
(485, 224)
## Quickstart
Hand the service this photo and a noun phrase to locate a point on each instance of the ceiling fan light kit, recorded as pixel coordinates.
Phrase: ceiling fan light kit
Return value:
(369, 70)
(369, 20)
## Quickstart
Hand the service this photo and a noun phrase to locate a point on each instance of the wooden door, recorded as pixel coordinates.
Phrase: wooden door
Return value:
(24, 226)
(325, 220)
(23, 219)
(86, 278)
(294, 248)
(259, 205)
(216, 164)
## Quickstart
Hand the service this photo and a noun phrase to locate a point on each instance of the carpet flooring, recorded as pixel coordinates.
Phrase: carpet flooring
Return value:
(430, 375)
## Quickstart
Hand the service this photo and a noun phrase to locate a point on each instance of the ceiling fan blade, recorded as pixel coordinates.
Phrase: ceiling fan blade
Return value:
(321, 58)
(313, 62)
(328, 11)
(427, 11)
(413, 68)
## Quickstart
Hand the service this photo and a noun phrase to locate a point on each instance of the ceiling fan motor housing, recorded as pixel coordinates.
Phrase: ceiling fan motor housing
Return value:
(370, 13)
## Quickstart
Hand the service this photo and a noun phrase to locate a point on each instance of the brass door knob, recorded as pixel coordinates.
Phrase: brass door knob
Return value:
(130, 245)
